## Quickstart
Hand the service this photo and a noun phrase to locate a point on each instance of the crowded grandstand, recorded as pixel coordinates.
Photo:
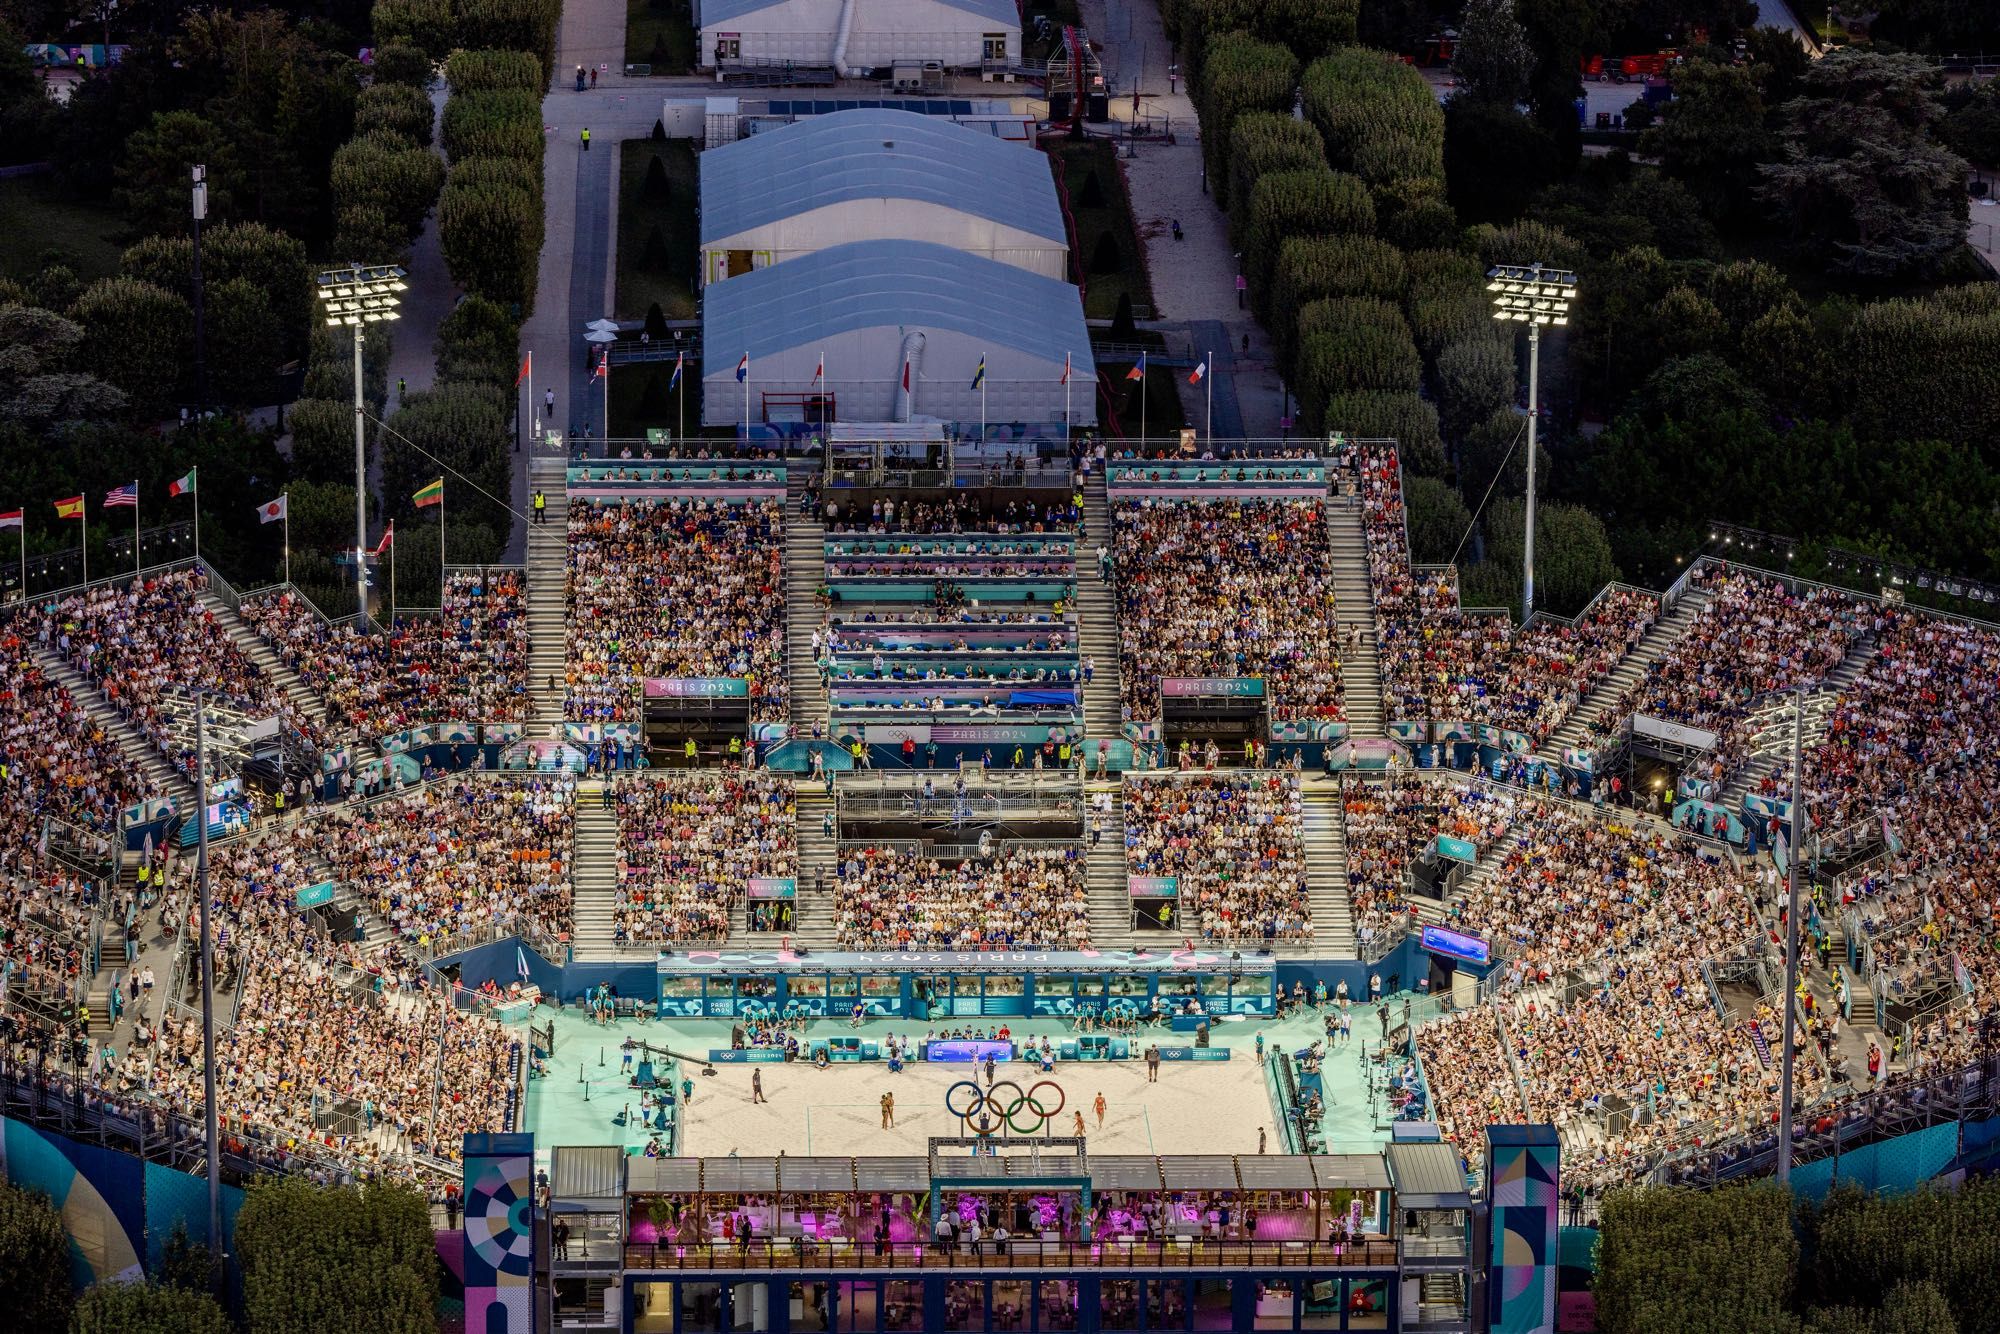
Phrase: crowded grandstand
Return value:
(1594, 800)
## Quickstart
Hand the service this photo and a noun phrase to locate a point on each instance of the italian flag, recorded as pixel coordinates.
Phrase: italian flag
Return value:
(183, 487)
(430, 495)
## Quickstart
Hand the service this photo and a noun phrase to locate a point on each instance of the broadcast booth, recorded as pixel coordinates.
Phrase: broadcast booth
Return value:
(709, 710)
(1658, 754)
(1227, 710)
(1453, 956)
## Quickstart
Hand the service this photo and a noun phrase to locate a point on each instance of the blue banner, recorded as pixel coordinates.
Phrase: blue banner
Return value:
(1456, 945)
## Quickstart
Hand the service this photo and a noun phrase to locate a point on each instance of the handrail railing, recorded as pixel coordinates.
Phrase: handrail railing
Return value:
(1112, 1253)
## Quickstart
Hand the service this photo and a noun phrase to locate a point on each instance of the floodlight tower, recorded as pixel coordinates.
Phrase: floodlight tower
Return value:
(1535, 296)
(358, 296)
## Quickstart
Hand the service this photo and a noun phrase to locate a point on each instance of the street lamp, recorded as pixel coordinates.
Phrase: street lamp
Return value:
(1534, 296)
(358, 296)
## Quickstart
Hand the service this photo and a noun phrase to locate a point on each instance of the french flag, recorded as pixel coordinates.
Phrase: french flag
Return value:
(679, 362)
(1200, 369)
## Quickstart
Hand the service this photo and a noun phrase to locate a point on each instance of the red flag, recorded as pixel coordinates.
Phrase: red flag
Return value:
(906, 377)
(522, 374)
(388, 535)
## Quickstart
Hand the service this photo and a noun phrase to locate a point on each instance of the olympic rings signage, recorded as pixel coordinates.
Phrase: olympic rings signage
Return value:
(987, 1110)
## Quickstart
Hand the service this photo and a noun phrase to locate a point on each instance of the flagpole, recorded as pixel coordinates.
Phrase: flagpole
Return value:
(680, 379)
(135, 528)
(285, 499)
(1067, 428)
(1208, 374)
(746, 397)
(522, 418)
(83, 518)
(24, 553)
(197, 511)
(392, 577)
(982, 410)
(607, 406)
(1142, 402)
(440, 549)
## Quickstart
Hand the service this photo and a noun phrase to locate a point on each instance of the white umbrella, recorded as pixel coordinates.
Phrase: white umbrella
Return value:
(601, 336)
(604, 324)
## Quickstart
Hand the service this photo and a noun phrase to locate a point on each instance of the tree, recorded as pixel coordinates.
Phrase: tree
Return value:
(1495, 159)
(1352, 345)
(38, 385)
(1712, 135)
(480, 342)
(1377, 116)
(424, 24)
(1262, 142)
(390, 173)
(1405, 418)
(1239, 75)
(337, 1257)
(400, 109)
(140, 1308)
(322, 439)
(1447, 300)
(1560, 31)
(322, 513)
(655, 189)
(1411, 214)
(1438, 519)
(476, 71)
(153, 176)
(1286, 204)
(401, 63)
(34, 1283)
(1572, 557)
(492, 240)
(267, 259)
(243, 338)
(494, 122)
(1493, 58)
(1105, 256)
(135, 336)
(1474, 378)
(1864, 187)
(1311, 267)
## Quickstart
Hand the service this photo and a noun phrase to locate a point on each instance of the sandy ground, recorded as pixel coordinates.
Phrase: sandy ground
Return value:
(1205, 1108)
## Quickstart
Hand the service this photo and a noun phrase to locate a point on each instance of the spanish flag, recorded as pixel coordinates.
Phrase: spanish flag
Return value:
(430, 495)
(70, 509)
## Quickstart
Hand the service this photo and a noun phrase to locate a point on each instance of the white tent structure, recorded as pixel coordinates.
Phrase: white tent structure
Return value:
(883, 315)
(856, 36)
(877, 174)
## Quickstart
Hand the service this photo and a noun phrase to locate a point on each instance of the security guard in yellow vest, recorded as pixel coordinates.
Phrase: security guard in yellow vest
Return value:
(736, 750)
(541, 505)
(689, 751)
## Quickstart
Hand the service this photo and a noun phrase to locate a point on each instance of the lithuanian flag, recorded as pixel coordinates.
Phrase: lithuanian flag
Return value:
(431, 495)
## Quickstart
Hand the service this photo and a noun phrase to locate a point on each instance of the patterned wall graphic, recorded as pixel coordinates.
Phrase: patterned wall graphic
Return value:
(499, 1234)
(100, 1194)
(1523, 1166)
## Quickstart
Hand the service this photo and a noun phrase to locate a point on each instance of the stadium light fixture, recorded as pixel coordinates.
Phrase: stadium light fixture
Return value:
(356, 297)
(1536, 296)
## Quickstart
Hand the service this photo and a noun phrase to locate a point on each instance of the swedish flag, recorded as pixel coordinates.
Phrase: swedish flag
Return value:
(979, 376)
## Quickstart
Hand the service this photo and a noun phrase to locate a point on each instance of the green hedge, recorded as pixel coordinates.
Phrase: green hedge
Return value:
(1353, 345)
(398, 108)
(389, 173)
(1377, 116)
(1240, 75)
(1404, 418)
(491, 235)
(1310, 28)
(1262, 142)
(1312, 267)
(1288, 204)
(499, 122)
(512, 25)
(483, 71)
(424, 24)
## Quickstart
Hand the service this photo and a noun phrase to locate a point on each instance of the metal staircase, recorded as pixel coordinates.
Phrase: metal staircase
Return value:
(258, 649)
(805, 570)
(1354, 606)
(1771, 746)
(594, 875)
(548, 593)
(1325, 836)
(1097, 617)
(143, 755)
(812, 921)
(1657, 642)
(1110, 903)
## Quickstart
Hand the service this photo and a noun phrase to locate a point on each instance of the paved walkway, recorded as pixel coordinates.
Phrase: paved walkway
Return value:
(1194, 279)
(430, 297)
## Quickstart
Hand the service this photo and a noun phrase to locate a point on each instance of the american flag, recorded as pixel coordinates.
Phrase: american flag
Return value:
(124, 495)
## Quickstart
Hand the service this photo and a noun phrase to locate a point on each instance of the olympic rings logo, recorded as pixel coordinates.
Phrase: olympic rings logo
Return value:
(985, 1112)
